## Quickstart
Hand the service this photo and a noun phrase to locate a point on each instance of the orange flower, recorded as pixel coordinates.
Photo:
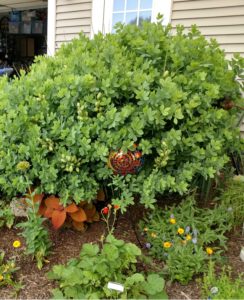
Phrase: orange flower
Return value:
(116, 207)
(105, 210)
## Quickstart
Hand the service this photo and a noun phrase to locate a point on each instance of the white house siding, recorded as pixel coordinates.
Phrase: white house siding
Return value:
(72, 17)
(220, 19)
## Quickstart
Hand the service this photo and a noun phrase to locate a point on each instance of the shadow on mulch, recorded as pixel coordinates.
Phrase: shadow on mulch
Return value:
(67, 244)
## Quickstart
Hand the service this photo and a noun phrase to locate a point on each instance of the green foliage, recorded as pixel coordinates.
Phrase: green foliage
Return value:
(36, 235)
(232, 198)
(6, 215)
(7, 270)
(182, 235)
(87, 277)
(140, 85)
(227, 288)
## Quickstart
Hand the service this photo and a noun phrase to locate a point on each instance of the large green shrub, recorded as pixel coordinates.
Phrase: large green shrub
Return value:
(140, 85)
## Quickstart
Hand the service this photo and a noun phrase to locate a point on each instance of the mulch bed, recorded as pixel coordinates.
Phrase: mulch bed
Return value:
(67, 244)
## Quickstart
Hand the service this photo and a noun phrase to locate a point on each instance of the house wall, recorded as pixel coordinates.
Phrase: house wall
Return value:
(72, 17)
(220, 19)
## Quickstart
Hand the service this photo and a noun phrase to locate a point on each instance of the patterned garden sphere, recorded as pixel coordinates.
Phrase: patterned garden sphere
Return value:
(126, 163)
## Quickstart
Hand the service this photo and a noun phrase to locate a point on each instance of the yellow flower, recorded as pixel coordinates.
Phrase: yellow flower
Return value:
(181, 231)
(16, 244)
(188, 237)
(167, 244)
(172, 220)
(1, 277)
(145, 229)
(209, 251)
(153, 235)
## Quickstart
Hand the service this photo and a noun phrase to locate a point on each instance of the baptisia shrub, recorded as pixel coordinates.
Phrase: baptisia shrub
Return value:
(140, 85)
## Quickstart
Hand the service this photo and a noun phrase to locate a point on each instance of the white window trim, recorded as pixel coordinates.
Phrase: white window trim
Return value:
(102, 14)
(51, 28)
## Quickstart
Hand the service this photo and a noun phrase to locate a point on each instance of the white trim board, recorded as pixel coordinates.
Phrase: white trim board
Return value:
(51, 25)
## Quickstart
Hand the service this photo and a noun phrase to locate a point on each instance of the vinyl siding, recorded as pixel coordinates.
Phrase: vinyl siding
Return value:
(72, 17)
(220, 19)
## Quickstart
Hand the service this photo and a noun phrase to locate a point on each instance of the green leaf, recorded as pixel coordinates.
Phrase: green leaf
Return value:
(154, 284)
(89, 250)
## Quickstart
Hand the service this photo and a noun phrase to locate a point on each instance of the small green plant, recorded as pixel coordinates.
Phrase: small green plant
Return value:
(7, 270)
(87, 277)
(221, 286)
(186, 236)
(36, 235)
(6, 216)
(232, 198)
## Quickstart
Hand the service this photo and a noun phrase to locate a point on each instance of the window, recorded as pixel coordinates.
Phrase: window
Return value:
(106, 13)
(131, 11)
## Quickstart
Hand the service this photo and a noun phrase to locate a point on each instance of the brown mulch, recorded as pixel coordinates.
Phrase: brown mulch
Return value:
(67, 244)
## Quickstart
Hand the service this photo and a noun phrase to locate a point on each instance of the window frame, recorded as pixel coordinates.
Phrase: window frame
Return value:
(102, 12)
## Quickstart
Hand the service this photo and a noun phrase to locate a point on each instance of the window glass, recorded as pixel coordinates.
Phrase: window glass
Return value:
(118, 17)
(119, 5)
(131, 18)
(145, 16)
(132, 5)
(132, 11)
(146, 4)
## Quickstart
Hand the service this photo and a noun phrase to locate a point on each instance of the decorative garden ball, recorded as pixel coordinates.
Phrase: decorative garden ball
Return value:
(126, 163)
(242, 254)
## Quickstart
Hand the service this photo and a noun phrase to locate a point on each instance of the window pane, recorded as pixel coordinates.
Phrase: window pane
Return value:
(146, 4)
(131, 18)
(118, 17)
(145, 16)
(119, 5)
(132, 5)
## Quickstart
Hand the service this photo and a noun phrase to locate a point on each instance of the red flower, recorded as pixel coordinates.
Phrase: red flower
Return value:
(105, 210)
(116, 207)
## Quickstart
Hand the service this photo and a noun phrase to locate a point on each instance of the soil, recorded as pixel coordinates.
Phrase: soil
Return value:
(67, 244)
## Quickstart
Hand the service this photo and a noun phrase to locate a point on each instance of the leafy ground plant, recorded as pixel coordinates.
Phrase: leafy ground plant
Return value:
(144, 85)
(6, 215)
(232, 197)
(7, 270)
(87, 277)
(185, 237)
(36, 236)
(222, 286)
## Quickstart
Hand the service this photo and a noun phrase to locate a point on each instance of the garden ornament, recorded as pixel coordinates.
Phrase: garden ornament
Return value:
(242, 254)
(214, 290)
(124, 163)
